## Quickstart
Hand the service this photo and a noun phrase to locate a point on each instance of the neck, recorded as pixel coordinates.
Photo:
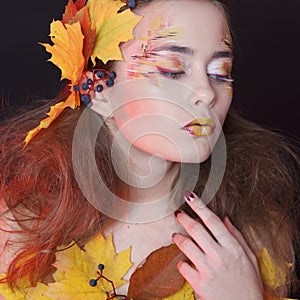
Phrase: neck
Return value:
(151, 181)
(148, 177)
(154, 178)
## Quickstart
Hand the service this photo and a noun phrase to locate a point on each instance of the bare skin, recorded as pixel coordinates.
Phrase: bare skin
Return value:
(226, 268)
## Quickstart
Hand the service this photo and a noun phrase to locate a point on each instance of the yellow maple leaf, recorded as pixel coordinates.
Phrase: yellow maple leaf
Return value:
(37, 293)
(76, 267)
(8, 293)
(273, 273)
(185, 293)
(32, 293)
(111, 28)
(67, 49)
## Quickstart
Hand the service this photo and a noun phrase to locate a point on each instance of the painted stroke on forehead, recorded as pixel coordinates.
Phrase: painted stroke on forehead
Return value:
(144, 63)
(152, 63)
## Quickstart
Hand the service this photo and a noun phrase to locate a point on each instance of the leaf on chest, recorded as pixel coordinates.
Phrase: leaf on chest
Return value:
(158, 277)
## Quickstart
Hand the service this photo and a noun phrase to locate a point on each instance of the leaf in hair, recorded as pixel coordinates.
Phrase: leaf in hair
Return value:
(112, 28)
(66, 51)
(78, 12)
(70, 11)
(67, 54)
(158, 278)
(55, 110)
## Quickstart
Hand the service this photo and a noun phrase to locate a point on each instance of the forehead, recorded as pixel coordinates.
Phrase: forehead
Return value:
(197, 24)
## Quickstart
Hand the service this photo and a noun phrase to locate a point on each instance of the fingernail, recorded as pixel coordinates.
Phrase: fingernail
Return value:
(176, 212)
(189, 196)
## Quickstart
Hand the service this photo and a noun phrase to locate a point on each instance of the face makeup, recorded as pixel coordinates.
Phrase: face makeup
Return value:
(162, 63)
(171, 94)
(220, 70)
(200, 127)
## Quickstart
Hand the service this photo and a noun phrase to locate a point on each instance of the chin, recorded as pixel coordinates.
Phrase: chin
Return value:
(196, 159)
(189, 153)
(191, 157)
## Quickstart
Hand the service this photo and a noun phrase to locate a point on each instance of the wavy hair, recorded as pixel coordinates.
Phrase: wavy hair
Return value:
(45, 207)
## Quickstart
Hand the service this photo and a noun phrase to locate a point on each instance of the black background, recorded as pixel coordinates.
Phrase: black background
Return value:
(266, 70)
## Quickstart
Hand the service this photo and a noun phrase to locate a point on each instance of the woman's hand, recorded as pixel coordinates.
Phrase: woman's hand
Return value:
(225, 269)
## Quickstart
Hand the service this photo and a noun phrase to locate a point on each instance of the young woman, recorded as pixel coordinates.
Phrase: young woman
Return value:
(122, 165)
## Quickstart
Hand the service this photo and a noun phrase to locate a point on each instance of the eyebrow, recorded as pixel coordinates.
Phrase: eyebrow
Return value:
(222, 54)
(189, 51)
(178, 49)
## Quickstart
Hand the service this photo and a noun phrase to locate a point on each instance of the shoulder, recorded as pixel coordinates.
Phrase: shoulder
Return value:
(7, 249)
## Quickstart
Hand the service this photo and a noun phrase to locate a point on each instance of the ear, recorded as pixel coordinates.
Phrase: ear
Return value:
(101, 105)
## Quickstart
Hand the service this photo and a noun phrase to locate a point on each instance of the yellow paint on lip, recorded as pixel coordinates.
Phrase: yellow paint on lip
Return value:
(199, 130)
(202, 121)
(200, 127)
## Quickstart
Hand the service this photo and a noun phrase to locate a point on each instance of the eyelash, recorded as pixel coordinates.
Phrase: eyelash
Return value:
(178, 74)
(216, 78)
(172, 75)
(221, 78)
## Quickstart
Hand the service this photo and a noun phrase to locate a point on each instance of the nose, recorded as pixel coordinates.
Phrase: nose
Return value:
(203, 94)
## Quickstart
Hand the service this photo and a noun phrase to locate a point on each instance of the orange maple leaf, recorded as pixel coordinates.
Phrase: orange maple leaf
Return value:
(72, 101)
(78, 12)
(72, 9)
(70, 12)
(86, 31)
(89, 34)
(67, 55)
(67, 49)
(80, 4)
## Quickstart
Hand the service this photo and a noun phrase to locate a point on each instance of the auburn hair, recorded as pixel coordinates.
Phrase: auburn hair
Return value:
(46, 208)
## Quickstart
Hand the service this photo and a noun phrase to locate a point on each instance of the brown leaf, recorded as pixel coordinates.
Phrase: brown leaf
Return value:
(158, 277)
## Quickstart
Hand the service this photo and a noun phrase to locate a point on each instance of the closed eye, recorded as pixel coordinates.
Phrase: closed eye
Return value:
(173, 74)
(218, 78)
(220, 71)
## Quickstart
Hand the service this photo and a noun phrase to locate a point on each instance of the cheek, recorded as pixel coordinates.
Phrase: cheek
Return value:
(224, 99)
(148, 115)
(135, 98)
(160, 132)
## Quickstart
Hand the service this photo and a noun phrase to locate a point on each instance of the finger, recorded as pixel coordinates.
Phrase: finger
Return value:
(210, 219)
(190, 249)
(190, 274)
(199, 234)
(239, 236)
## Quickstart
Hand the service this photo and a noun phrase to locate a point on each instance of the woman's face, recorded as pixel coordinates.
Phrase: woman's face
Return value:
(174, 87)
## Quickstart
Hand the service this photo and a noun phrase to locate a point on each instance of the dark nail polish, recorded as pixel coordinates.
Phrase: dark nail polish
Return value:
(176, 212)
(186, 195)
(192, 196)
